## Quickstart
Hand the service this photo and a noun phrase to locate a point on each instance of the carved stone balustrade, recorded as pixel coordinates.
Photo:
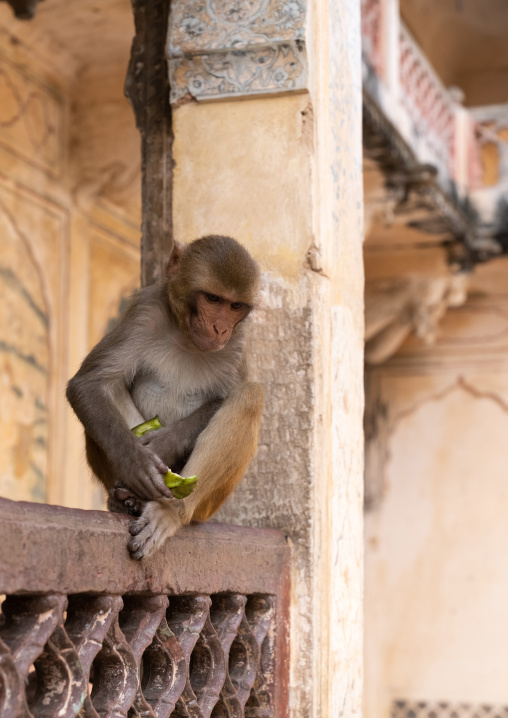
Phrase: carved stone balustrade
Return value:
(429, 116)
(425, 145)
(199, 630)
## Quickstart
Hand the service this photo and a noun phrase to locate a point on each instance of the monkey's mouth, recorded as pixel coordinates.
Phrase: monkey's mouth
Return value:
(206, 343)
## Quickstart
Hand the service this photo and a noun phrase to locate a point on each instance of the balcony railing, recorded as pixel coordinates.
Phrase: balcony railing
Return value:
(427, 102)
(436, 127)
(200, 630)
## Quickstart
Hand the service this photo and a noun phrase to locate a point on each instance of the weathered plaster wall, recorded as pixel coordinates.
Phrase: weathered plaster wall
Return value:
(436, 535)
(248, 175)
(69, 173)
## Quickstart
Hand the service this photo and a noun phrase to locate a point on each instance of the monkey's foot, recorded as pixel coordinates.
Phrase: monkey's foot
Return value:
(123, 501)
(159, 521)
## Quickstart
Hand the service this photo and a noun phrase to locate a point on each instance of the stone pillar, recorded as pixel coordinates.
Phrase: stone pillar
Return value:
(266, 116)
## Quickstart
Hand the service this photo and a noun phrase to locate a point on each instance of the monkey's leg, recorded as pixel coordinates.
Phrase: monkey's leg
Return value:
(220, 458)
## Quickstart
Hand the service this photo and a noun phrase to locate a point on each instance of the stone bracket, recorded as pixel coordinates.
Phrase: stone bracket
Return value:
(220, 49)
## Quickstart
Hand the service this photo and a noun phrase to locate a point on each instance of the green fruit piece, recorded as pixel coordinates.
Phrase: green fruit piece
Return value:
(146, 426)
(180, 486)
(181, 492)
(171, 479)
(185, 488)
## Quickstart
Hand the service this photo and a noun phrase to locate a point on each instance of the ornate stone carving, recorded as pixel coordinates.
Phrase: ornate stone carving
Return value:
(222, 49)
(200, 632)
(396, 307)
(137, 656)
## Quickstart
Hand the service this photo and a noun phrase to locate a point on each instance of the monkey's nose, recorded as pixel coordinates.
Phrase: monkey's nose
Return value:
(220, 330)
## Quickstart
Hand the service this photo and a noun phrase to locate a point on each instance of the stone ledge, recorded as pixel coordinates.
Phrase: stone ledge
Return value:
(54, 549)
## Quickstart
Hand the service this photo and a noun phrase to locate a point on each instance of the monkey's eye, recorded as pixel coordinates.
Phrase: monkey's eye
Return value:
(212, 298)
(236, 306)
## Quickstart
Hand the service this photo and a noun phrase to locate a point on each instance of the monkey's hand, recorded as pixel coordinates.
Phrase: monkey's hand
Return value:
(141, 471)
(159, 521)
(169, 445)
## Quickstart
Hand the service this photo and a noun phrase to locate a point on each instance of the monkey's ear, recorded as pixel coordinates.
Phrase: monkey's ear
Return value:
(174, 259)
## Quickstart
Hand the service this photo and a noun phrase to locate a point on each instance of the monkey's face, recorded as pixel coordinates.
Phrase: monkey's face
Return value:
(213, 320)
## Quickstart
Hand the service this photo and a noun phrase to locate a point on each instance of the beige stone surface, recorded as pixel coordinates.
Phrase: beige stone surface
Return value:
(242, 168)
(436, 534)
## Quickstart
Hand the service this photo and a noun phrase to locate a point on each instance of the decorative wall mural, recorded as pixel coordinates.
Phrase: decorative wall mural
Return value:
(25, 367)
(31, 119)
(69, 254)
(112, 280)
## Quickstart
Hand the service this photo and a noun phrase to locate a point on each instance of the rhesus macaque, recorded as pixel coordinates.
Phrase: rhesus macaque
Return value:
(178, 353)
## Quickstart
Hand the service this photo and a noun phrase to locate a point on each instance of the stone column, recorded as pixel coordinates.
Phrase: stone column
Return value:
(266, 116)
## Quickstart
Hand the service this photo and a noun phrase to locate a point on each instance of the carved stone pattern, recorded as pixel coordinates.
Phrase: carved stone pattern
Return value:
(427, 101)
(150, 656)
(446, 709)
(251, 71)
(218, 49)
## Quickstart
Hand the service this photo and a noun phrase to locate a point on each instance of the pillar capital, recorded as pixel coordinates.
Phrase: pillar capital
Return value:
(220, 49)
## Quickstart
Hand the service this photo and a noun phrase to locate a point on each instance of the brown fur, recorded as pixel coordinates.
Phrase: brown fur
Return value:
(179, 355)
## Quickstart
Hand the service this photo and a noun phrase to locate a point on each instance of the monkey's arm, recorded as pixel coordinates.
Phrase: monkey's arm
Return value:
(94, 393)
(220, 458)
(127, 408)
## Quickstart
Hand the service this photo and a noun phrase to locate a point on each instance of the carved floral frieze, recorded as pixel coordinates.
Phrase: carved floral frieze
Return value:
(219, 48)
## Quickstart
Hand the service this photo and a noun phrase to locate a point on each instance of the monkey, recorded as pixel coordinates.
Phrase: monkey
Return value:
(178, 353)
